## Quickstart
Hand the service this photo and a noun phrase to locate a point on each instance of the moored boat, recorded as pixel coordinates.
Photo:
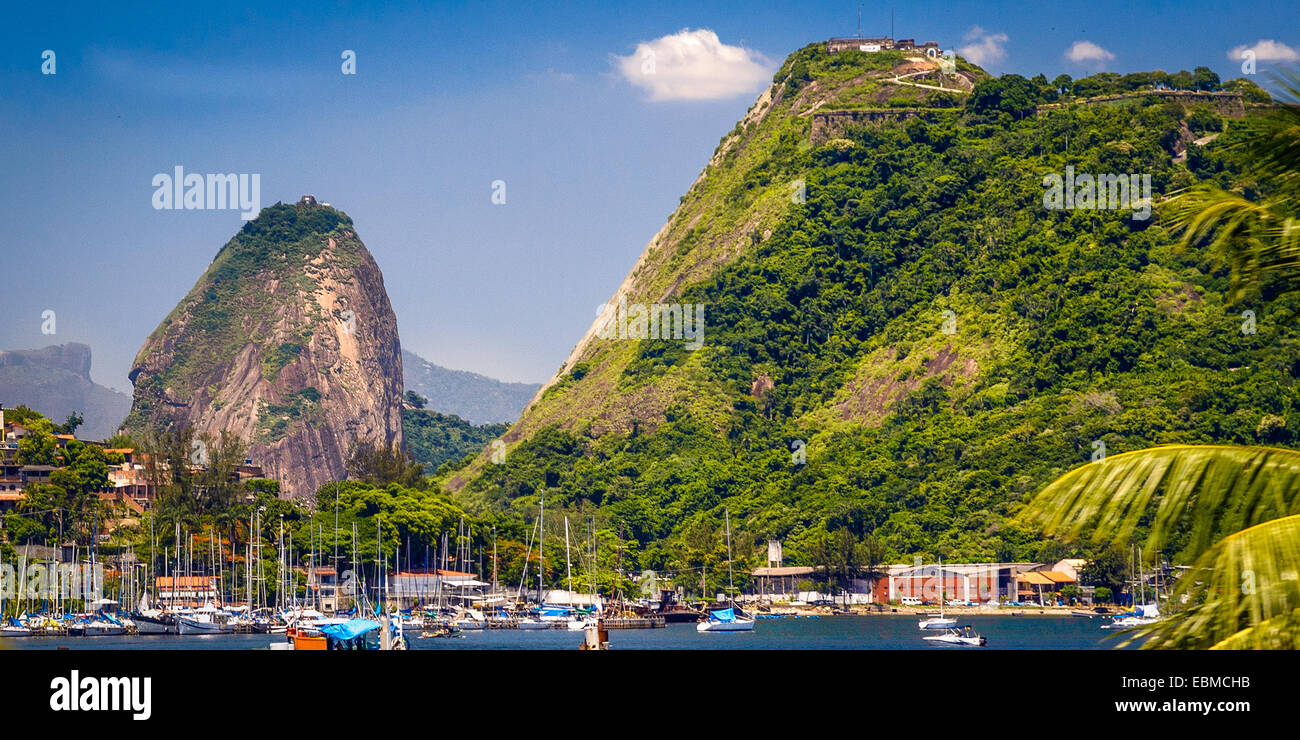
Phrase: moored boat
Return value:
(725, 620)
(205, 620)
(963, 637)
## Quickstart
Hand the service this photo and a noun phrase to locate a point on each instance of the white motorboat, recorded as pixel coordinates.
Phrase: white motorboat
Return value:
(964, 637)
(15, 630)
(578, 625)
(205, 620)
(528, 623)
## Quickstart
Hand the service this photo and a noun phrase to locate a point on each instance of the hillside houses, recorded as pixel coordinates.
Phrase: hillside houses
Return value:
(131, 483)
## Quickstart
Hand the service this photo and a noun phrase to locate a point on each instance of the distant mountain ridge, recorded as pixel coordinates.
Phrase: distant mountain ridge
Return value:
(473, 397)
(55, 381)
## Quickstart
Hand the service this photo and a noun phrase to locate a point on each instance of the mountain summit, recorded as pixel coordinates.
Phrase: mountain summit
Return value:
(904, 335)
(287, 341)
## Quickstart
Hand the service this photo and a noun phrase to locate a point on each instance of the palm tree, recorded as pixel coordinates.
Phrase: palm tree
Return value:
(1233, 512)
(1259, 240)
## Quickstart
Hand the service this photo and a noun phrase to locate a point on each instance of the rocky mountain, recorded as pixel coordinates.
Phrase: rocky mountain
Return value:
(56, 381)
(288, 341)
(473, 397)
(893, 330)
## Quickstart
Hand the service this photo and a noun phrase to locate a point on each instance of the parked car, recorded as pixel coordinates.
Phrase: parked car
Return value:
(910, 601)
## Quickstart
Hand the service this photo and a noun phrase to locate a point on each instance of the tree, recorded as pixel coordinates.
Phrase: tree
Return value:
(415, 400)
(39, 447)
(1107, 568)
(1204, 78)
(1228, 511)
(1259, 241)
(1009, 93)
(69, 426)
(379, 465)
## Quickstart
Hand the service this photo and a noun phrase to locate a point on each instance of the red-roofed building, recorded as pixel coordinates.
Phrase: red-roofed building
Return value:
(188, 590)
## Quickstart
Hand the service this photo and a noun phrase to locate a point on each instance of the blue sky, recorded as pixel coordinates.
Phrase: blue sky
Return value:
(447, 99)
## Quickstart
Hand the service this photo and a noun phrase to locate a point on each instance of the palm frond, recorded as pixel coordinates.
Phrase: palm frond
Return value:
(1242, 592)
(1275, 143)
(1194, 493)
(1258, 241)
(1278, 633)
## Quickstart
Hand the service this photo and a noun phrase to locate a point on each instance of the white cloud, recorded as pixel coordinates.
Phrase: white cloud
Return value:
(1086, 51)
(694, 65)
(1266, 50)
(984, 48)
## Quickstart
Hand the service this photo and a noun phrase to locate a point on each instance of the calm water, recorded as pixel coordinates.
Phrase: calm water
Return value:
(894, 632)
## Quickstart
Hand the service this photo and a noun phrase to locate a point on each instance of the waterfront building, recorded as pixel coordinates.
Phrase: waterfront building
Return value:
(191, 591)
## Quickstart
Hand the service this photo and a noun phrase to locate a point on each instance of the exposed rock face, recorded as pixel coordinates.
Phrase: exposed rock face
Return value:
(287, 341)
(56, 381)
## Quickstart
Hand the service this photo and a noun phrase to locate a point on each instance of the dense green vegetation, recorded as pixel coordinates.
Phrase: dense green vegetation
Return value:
(433, 438)
(939, 345)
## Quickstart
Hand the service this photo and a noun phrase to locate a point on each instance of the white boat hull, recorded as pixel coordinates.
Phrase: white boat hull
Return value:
(937, 623)
(740, 625)
(957, 641)
(187, 626)
(1127, 623)
(470, 624)
(15, 632)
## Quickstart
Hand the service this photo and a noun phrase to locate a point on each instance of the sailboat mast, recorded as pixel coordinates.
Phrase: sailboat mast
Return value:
(541, 538)
(731, 586)
(568, 566)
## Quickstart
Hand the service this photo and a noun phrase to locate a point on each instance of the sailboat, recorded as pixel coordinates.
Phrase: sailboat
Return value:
(151, 621)
(1141, 614)
(726, 620)
(940, 622)
(15, 626)
(538, 622)
(580, 622)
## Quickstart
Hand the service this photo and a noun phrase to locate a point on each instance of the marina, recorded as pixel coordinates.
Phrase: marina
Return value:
(838, 632)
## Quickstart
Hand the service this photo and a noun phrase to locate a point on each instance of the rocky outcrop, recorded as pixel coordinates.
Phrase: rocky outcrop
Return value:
(56, 381)
(287, 341)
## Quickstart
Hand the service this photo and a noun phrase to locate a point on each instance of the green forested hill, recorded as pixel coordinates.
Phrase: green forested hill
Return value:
(920, 345)
(433, 438)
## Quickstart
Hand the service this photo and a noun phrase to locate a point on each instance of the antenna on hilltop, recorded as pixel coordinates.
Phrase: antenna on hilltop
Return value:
(859, 20)
(891, 23)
